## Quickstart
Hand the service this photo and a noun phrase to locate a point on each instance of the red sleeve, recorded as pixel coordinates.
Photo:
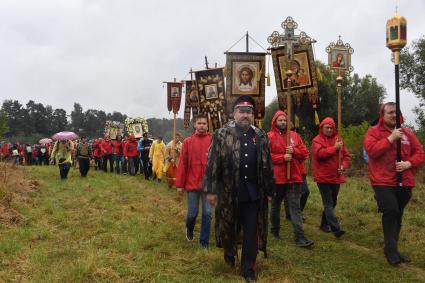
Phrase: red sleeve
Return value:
(277, 158)
(300, 151)
(374, 146)
(417, 155)
(182, 166)
(321, 151)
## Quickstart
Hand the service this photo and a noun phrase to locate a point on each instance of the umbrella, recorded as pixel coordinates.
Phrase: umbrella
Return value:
(62, 136)
(45, 141)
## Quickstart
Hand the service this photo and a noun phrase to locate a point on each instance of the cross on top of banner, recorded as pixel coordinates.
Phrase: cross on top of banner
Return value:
(288, 38)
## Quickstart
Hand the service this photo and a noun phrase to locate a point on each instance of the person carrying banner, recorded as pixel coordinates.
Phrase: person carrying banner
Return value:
(189, 177)
(239, 180)
(330, 160)
(106, 151)
(287, 188)
(380, 143)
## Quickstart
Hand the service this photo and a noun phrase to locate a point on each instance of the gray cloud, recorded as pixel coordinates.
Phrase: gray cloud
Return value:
(114, 55)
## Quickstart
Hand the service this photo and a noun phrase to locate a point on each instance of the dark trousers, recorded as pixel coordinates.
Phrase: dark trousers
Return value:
(329, 193)
(291, 193)
(391, 202)
(133, 165)
(305, 192)
(105, 163)
(64, 169)
(84, 164)
(97, 163)
(248, 217)
(147, 167)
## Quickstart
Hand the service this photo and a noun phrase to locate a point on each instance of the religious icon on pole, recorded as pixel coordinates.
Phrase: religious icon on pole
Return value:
(245, 76)
(191, 104)
(211, 93)
(339, 57)
(174, 90)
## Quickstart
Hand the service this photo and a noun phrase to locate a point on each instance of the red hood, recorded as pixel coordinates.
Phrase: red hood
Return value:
(277, 114)
(381, 115)
(327, 121)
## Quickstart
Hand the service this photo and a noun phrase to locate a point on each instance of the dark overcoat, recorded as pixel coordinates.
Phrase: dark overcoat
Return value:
(222, 178)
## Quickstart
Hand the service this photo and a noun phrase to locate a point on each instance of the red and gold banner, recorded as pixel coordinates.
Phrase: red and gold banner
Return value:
(174, 95)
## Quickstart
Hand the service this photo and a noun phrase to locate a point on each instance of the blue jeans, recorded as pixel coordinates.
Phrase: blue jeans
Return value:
(118, 160)
(193, 198)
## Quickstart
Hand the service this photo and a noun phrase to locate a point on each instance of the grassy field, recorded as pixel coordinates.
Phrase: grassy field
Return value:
(110, 228)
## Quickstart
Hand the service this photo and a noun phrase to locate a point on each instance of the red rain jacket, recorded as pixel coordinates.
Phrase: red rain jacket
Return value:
(5, 149)
(192, 162)
(105, 147)
(96, 149)
(130, 148)
(382, 155)
(117, 147)
(278, 149)
(325, 156)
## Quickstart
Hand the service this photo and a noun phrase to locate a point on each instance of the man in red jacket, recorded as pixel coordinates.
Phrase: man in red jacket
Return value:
(189, 177)
(106, 151)
(380, 143)
(117, 153)
(132, 155)
(290, 189)
(327, 149)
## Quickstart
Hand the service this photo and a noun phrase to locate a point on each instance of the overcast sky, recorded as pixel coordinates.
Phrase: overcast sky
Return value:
(114, 55)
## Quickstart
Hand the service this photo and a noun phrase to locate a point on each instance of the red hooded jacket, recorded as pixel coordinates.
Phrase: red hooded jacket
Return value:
(192, 162)
(382, 155)
(96, 148)
(278, 149)
(130, 147)
(117, 147)
(325, 156)
(5, 149)
(106, 147)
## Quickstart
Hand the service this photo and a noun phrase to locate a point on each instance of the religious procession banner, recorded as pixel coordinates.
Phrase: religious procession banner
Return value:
(212, 101)
(136, 126)
(191, 103)
(245, 76)
(304, 77)
(113, 129)
(174, 96)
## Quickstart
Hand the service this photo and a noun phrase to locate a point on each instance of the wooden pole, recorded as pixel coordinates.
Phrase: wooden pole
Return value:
(339, 80)
(289, 118)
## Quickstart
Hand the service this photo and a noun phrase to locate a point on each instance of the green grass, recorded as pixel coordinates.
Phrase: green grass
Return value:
(110, 228)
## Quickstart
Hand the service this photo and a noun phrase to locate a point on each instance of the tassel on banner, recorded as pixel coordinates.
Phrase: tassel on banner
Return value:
(319, 74)
(297, 122)
(268, 79)
(316, 118)
(260, 73)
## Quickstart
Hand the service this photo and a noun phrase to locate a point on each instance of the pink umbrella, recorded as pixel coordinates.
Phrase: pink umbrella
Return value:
(62, 136)
(45, 141)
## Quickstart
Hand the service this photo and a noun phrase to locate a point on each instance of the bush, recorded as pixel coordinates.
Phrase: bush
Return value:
(353, 139)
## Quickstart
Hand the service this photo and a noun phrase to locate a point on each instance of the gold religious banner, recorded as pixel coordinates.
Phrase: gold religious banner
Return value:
(303, 76)
(191, 103)
(174, 95)
(211, 93)
(245, 76)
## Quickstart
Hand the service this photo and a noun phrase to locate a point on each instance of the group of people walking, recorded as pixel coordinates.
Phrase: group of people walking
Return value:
(240, 169)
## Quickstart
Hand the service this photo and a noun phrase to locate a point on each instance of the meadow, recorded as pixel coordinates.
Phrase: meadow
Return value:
(113, 228)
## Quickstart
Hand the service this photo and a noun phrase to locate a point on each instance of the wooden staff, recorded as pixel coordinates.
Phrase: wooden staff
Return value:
(339, 80)
(289, 119)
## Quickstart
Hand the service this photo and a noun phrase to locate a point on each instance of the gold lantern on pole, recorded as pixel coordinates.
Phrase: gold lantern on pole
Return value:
(396, 40)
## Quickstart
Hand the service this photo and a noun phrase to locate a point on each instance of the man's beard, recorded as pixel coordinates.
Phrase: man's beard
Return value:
(244, 124)
(281, 128)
